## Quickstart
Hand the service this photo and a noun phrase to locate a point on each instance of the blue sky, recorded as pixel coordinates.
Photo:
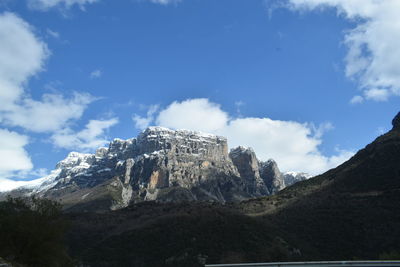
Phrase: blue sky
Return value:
(307, 83)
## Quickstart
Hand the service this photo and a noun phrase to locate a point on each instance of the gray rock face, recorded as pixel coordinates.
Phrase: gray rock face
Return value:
(263, 178)
(272, 176)
(293, 177)
(160, 164)
(396, 122)
(247, 164)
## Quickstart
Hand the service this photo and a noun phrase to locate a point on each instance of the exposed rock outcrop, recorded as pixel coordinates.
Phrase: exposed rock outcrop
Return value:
(271, 175)
(247, 164)
(160, 164)
(290, 178)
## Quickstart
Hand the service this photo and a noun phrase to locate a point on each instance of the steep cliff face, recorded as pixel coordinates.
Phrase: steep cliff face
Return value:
(263, 178)
(248, 166)
(160, 164)
(271, 175)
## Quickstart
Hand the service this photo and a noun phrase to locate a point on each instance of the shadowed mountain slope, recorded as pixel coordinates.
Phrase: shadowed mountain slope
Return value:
(350, 212)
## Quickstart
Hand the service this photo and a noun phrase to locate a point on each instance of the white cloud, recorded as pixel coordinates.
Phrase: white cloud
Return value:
(92, 137)
(294, 145)
(373, 56)
(239, 104)
(377, 94)
(144, 122)
(53, 34)
(321, 129)
(44, 5)
(194, 114)
(8, 184)
(23, 55)
(357, 99)
(165, 2)
(12, 153)
(52, 113)
(96, 74)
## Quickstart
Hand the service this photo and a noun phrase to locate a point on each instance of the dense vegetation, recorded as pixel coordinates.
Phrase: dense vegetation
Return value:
(32, 232)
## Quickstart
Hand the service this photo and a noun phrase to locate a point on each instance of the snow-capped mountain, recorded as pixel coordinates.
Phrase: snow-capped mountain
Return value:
(163, 165)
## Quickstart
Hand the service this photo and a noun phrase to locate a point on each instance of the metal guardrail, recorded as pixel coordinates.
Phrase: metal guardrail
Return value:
(313, 264)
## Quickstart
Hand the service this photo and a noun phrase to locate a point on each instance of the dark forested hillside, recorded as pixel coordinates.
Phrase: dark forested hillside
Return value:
(350, 212)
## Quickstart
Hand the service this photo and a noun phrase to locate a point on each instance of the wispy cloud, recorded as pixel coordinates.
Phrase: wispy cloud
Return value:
(239, 104)
(165, 2)
(144, 122)
(52, 33)
(96, 74)
(91, 137)
(320, 130)
(373, 45)
(357, 99)
(13, 155)
(44, 5)
(51, 113)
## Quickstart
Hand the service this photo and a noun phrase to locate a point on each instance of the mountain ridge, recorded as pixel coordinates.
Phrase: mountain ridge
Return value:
(164, 165)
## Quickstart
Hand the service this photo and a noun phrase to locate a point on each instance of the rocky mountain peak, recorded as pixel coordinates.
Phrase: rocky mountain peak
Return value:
(247, 164)
(396, 122)
(182, 142)
(101, 152)
(244, 158)
(241, 150)
(272, 176)
(75, 159)
(272, 163)
(159, 164)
